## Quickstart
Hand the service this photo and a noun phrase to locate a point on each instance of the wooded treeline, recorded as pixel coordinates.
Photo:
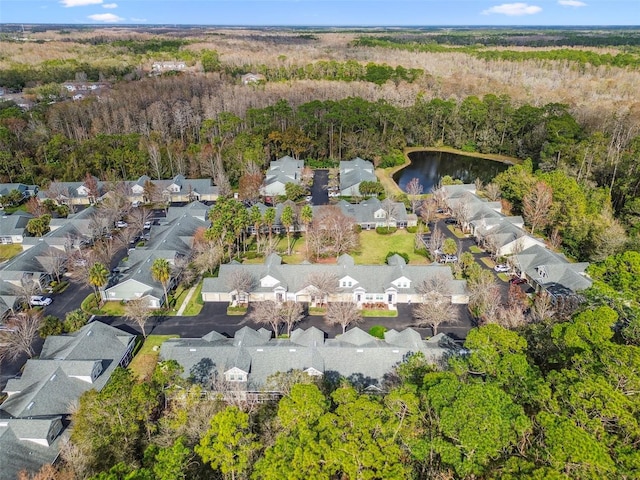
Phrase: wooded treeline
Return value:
(557, 399)
(191, 120)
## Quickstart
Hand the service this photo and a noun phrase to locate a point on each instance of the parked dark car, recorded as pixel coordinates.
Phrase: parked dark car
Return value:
(517, 281)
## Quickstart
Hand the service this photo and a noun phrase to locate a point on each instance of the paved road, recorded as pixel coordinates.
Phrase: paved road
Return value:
(319, 192)
(213, 317)
(466, 244)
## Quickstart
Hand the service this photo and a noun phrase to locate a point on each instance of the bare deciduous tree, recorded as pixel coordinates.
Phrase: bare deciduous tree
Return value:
(241, 282)
(138, 311)
(207, 256)
(414, 189)
(266, 313)
(21, 330)
(434, 310)
(536, 205)
(436, 241)
(332, 233)
(436, 283)
(325, 284)
(492, 191)
(542, 307)
(138, 217)
(104, 250)
(428, 210)
(484, 297)
(54, 262)
(510, 317)
(343, 314)
(290, 313)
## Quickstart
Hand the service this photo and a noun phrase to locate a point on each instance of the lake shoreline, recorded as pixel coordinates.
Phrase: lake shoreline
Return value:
(496, 157)
(394, 175)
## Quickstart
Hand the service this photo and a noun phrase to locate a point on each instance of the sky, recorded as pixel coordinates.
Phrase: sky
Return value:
(323, 12)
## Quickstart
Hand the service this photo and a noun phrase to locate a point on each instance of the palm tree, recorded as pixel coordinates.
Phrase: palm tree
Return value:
(306, 217)
(98, 276)
(161, 272)
(287, 217)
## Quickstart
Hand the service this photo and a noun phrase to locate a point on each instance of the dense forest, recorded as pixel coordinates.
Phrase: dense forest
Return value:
(556, 398)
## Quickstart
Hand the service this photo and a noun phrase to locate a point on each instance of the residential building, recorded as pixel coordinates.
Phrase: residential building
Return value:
(74, 193)
(32, 270)
(171, 240)
(506, 236)
(373, 213)
(25, 190)
(13, 227)
(174, 190)
(551, 271)
(353, 173)
(249, 78)
(249, 358)
(36, 412)
(282, 171)
(176, 66)
(385, 285)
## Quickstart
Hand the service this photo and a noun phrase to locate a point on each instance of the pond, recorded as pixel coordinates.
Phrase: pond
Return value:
(429, 167)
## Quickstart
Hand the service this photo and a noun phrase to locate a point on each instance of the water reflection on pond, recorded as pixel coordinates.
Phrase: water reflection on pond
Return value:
(430, 167)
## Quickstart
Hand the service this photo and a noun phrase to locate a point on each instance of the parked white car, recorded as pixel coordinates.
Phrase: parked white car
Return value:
(501, 268)
(40, 301)
(147, 225)
(121, 224)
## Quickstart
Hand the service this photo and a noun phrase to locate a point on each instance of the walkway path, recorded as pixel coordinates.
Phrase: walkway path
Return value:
(187, 299)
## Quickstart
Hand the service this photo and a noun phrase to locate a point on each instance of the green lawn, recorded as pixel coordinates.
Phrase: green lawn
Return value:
(374, 248)
(379, 313)
(475, 249)
(297, 251)
(504, 277)
(456, 231)
(488, 262)
(145, 360)
(9, 251)
(195, 303)
(112, 309)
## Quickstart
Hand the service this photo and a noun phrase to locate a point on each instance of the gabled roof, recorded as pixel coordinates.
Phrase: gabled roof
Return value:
(51, 384)
(371, 278)
(14, 224)
(353, 172)
(363, 212)
(553, 271)
(355, 355)
(20, 452)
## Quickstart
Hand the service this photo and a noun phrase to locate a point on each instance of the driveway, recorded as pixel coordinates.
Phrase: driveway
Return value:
(319, 192)
(466, 244)
(214, 317)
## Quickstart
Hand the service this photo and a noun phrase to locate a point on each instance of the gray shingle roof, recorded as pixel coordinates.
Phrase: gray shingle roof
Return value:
(353, 172)
(14, 224)
(371, 278)
(50, 384)
(553, 271)
(355, 354)
(19, 452)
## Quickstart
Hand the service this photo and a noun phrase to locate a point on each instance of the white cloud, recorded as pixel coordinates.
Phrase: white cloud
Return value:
(109, 5)
(79, 3)
(572, 3)
(513, 9)
(106, 17)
